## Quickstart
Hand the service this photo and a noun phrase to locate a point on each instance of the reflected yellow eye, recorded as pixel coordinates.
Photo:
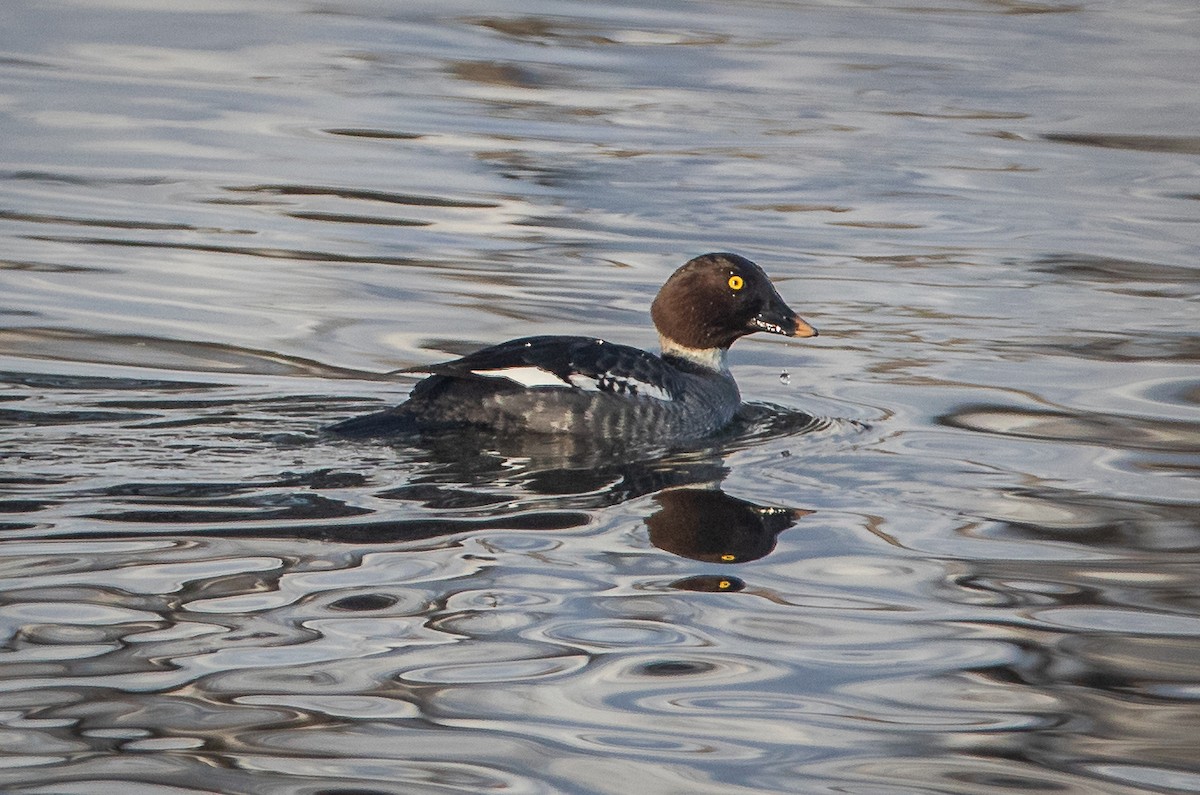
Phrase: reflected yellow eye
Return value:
(736, 282)
(727, 557)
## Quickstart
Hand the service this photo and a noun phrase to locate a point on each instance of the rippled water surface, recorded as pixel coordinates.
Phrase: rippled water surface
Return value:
(950, 546)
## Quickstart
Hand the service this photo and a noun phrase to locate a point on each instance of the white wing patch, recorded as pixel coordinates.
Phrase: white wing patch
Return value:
(619, 386)
(533, 377)
(527, 376)
(585, 382)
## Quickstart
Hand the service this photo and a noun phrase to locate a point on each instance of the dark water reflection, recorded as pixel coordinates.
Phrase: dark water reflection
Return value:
(949, 547)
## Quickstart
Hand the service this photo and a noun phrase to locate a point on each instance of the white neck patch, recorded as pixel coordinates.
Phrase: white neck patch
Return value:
(712, 358)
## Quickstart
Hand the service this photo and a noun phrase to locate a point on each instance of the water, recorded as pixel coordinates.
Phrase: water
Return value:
(950, 547)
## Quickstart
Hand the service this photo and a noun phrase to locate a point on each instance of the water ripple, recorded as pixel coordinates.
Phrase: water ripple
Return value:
(596, 636)
(495, 671)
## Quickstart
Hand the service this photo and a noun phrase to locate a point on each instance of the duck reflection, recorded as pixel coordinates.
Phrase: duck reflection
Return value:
(711, 526)
(693, 517)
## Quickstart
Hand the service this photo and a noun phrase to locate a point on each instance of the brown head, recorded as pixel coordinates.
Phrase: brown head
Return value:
(716, 298)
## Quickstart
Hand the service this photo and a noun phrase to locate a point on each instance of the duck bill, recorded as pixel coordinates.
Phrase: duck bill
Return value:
(802, 329)
(782, 320)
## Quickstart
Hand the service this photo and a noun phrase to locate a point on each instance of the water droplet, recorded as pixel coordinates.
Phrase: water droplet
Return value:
(785, 378)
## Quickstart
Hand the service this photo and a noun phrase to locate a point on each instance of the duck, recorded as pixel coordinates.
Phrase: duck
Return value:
(581, 386)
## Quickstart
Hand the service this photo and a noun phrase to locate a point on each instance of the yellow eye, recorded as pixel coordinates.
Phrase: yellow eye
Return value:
(727, 558)
(736, 282)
